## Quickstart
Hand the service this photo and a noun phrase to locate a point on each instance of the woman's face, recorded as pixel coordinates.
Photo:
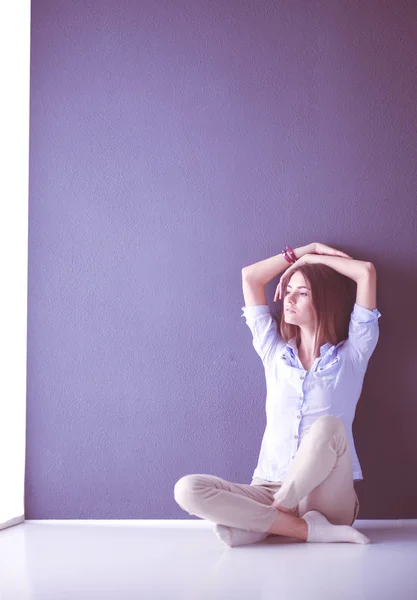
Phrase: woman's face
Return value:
(297, 298)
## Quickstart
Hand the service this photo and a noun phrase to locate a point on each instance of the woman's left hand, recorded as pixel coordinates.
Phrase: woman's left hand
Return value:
(276, 505)
(307, 258)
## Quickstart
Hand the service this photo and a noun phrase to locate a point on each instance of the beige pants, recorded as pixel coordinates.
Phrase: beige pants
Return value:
(319, 478)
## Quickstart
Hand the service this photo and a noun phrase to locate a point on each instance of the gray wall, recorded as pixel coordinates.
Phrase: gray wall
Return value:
(172, 143)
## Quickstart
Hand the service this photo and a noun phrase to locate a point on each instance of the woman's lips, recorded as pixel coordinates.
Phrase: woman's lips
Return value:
(290, 310)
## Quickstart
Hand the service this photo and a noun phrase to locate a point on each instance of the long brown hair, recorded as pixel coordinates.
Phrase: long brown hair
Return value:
(333, 298)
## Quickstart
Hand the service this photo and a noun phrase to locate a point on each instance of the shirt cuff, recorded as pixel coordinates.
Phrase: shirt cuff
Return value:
(361, 314)
(254, 311)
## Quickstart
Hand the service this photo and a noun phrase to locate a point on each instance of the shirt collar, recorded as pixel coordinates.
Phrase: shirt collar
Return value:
(292, 345)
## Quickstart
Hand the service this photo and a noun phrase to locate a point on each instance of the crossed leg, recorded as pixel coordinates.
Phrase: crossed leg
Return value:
(318, 486)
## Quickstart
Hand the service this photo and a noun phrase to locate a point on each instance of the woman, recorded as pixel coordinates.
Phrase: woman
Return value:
(303, 485)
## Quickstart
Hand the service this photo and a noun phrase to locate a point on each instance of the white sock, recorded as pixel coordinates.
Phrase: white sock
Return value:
(320, 530)
(232, 536)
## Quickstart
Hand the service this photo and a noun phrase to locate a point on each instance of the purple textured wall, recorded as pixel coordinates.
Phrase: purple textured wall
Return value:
(172, 143)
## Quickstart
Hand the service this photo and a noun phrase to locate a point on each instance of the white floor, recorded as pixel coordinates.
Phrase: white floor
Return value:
(60, 560)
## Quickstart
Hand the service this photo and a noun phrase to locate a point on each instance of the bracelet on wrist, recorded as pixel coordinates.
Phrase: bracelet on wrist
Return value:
(287, 258)
(289, 255)
(290, 251)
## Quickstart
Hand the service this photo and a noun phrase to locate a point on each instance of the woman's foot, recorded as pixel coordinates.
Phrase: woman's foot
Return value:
(320, 530)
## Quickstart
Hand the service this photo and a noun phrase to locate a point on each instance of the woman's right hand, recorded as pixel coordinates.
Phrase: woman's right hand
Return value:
(320, 248)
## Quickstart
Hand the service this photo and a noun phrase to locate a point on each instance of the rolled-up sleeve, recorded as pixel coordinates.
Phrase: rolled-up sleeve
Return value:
(265, 337)
(363, 333)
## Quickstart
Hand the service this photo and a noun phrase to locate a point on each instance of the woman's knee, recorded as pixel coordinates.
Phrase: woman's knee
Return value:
(328, 424)
(185, 488)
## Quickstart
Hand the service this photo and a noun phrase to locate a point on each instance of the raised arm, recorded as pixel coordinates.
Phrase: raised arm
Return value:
(363, 272)
(255, 277)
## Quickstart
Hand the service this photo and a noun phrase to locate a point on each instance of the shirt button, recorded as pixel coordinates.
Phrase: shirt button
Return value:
(302, 376)
(300, 397)
(298, 416)
(296, 437)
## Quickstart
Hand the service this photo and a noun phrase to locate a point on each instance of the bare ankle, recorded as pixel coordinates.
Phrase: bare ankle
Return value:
(289, 526)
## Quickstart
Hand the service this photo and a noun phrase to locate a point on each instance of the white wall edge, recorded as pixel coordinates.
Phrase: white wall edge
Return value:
(14, 210)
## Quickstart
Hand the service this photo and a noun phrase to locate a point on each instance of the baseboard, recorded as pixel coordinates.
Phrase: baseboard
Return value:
(195, 523)
(180, 523)
(12, 522)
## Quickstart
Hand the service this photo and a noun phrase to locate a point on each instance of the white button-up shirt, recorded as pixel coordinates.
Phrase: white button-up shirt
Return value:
(296, 398)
